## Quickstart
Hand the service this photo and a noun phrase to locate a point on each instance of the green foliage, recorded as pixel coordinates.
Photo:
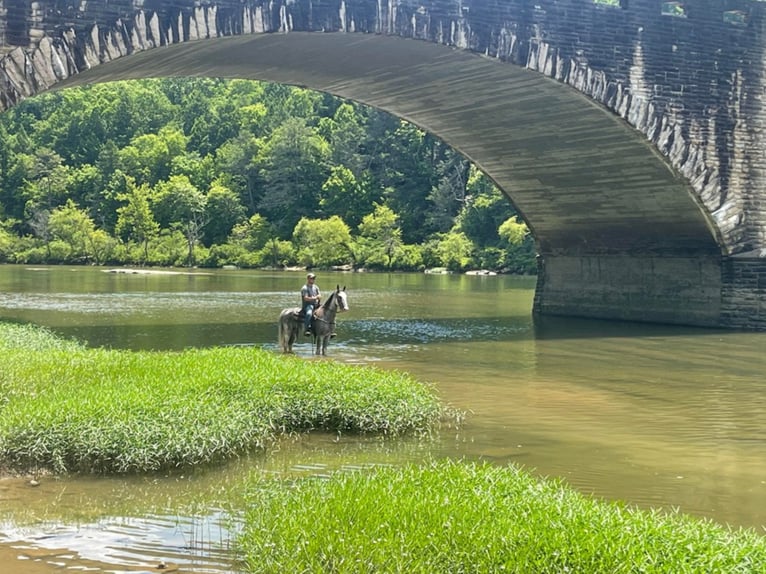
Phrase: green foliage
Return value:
(275, 253)
(322, 242)
(8, 245)
(149, 157)
(168, 250)
(220, 255)
(344, 196)
(293, 166)
(512, 231)
(135, 220)
(381, 238)
(223, 211)
(202, 157)
(486, 208)
(454, 251)
(252, 234)
(73, 227)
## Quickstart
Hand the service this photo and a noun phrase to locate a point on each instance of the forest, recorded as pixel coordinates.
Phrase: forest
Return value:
(210, 173)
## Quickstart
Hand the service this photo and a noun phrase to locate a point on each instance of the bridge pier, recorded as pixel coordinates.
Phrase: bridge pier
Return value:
(743, 296)
(707, 291)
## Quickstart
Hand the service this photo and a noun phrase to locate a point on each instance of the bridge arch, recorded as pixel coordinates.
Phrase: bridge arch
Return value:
(623, 233)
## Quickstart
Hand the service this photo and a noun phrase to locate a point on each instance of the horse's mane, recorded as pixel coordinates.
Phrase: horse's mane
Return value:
(326, 304)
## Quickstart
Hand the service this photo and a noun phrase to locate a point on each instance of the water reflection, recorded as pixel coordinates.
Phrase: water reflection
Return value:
(120, 544)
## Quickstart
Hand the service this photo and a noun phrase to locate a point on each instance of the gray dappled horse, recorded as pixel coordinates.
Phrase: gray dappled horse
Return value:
(322, 325)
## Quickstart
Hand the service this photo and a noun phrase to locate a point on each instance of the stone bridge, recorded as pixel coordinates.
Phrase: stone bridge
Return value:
(629, 134)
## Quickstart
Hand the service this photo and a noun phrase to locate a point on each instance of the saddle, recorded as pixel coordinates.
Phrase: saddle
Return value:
(299, 314)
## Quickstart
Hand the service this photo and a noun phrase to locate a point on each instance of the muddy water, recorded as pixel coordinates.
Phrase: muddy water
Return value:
(664, 417)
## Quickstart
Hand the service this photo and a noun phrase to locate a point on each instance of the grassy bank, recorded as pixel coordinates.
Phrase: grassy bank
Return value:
(455, 517)
(67, 408)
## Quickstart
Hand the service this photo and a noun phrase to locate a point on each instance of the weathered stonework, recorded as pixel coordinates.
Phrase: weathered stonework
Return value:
(691, 84)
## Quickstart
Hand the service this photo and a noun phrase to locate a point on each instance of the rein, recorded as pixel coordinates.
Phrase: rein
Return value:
(326, 307)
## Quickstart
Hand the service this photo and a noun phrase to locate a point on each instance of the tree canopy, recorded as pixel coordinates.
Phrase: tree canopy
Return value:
(215, 172)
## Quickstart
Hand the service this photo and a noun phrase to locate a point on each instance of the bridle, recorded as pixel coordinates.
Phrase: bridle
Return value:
(334, 298)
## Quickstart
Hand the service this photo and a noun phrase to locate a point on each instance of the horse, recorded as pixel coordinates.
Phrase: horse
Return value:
(322, 324)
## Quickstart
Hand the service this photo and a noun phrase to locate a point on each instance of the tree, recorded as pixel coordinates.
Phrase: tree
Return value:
(519, 256)
(39, 221)
(293, 166)
(454, 250)
(322, 242)
(223, 210)
(252, 234)
(237, 170)
(149, 157)
(486, 208)
(448, 196)
(179, 204)
(345, 132)
(383, 237)
(74, 227)
(344, 196)
(8, 240)
(201, 171)
(46, 187)
(84, 185)
(409, 177)
(513, 231)
(135, 220)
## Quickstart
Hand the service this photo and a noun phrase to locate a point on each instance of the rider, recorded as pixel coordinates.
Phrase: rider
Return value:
(310, 298)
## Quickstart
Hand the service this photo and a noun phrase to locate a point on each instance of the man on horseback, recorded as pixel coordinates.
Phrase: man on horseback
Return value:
(310, 298)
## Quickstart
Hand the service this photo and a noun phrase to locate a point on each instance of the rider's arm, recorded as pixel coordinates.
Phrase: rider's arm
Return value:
(308, 298)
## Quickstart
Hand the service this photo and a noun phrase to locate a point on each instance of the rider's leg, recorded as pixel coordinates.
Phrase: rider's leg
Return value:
(308, 310)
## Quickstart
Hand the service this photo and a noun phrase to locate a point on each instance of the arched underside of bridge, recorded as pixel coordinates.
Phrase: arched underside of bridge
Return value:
(621, 236)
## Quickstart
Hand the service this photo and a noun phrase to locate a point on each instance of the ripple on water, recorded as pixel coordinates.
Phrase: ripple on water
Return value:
(143, 304)
(200, 544)
(427, 331)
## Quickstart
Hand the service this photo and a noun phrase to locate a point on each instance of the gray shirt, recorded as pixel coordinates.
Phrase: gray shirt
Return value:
(308, 290)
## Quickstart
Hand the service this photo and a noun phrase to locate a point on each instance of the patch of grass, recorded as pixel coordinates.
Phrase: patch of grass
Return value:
(25, 337)
(458, 517)
(103, 411)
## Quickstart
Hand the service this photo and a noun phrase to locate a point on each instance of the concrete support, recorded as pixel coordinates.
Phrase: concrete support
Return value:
(674, 290)
(706, 291)
(743, 294)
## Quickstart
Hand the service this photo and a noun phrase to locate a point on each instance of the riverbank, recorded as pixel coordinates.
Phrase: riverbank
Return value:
(459, 517)
(65, 408)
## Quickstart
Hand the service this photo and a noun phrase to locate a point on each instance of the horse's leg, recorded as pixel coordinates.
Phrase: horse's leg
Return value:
(296, 328)
(283, 334)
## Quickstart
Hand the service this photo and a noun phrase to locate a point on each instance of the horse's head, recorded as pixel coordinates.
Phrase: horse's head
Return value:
(337, 301)
(342, 298)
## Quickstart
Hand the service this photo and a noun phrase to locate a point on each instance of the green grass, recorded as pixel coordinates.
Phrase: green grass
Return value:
(452, 517)
(70, 409)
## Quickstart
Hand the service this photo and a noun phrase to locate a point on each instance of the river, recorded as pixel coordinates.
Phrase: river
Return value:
(657, 416)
